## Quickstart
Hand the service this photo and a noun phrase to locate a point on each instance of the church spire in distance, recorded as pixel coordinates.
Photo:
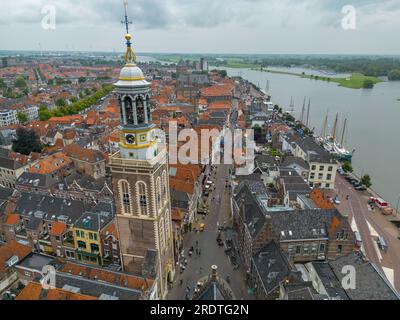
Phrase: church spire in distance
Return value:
(130, 56)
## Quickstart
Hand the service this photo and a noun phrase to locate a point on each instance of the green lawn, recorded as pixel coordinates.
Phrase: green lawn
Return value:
(356, 81)
(240, 64)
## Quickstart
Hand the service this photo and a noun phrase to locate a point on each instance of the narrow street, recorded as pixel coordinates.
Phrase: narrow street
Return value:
(370, 224)
(210, 253)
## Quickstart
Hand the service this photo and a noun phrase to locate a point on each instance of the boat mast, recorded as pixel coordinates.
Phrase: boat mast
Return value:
(302, 111)
(334, 131)
(308, 112)
(343, 133)
(325, 125)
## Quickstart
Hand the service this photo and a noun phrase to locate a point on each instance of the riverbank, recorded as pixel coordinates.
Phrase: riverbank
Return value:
(355, 81)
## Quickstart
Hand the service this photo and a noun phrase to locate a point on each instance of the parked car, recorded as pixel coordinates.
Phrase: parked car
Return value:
(361, 188)
(337, 200)
(356, 183)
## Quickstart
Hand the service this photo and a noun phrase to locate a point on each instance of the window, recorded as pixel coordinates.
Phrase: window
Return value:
(339, 248)
(142, 200)
(168, 225)
(125, 195)
(298, 249)
(81, 245)
(328, 177)
(312, 176)
(322, 248)
(90, 236)
(94, 248)
(162, 234)
(321, 168)
(164, 186)
(320, 176)
(313, 167)
(78, 234)
(327, 186)
(314, 249)
(330, 168)
(306, 251)
(158, 193)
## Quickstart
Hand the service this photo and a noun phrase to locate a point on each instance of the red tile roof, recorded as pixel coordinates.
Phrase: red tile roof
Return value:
(58, 228)
(12, 219)
(35, 291)
(12, 249)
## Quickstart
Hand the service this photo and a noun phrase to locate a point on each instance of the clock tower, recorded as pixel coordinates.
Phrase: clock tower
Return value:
(140, 182)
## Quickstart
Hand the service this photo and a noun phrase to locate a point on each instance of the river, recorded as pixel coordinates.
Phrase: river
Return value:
(373, 120)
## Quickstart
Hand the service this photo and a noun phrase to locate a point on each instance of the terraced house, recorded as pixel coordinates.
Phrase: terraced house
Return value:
(322, 168)
(88, 235)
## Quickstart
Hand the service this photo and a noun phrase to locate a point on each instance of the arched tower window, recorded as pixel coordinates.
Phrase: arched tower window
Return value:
(158, 193)
(129, 111)
(164, 186)
(162, 234)
(125, 196)
(148, 108)
(168, 225)
(142, 198)
(140, 109)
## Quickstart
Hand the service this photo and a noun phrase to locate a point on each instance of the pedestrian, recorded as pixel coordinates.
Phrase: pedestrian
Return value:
(199, 252)
(197, 243)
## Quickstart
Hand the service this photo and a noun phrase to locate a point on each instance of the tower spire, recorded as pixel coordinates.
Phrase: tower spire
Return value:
(130, 56)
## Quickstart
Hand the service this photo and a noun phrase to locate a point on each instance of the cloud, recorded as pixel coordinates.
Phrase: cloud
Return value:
(233, 22)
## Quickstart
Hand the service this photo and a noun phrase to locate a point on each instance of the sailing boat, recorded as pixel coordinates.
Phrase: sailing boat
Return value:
(341, 151)
(335, 148)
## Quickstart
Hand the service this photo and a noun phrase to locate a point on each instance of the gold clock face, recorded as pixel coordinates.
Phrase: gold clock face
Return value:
(130, 138)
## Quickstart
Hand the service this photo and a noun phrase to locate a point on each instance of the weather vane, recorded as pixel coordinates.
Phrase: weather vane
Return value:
(130, 56)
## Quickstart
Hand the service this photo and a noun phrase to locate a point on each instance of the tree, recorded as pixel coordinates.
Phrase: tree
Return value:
(82, 80)
(20, 82)
(347, 167)
(22, 117)
(368, 84)
(60, 102)
(394, 75)
(27, 141)
(366, 181)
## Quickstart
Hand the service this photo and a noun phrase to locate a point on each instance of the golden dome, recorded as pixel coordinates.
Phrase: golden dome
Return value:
(128, 37)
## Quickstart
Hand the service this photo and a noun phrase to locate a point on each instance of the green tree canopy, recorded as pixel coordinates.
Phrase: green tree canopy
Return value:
(82, 80)
(27, 141)
(347, 167)
(366, 181)
(22, 117)
(368, 84)
(20, 82)
(60, 102)
(394, 75)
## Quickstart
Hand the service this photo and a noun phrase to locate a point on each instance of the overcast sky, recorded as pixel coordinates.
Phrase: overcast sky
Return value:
(204, 26)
